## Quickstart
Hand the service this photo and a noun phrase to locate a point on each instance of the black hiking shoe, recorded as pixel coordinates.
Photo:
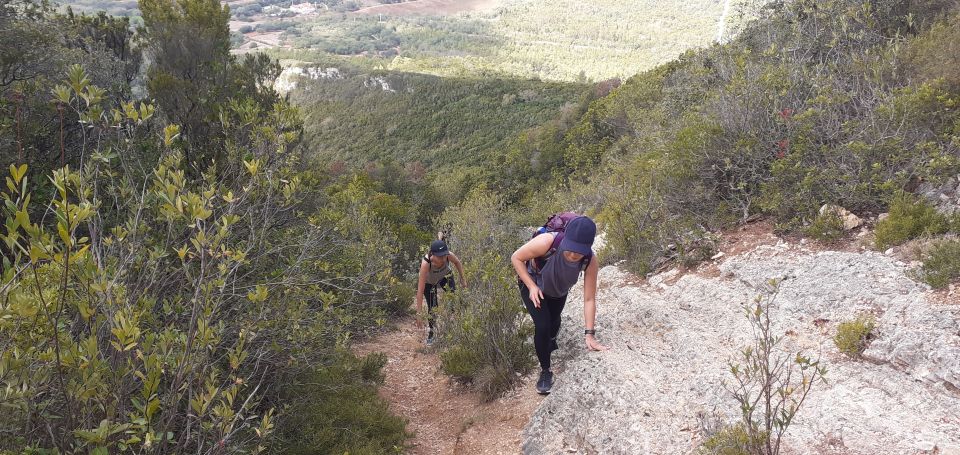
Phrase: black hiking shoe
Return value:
(430, 340)
(545, 383)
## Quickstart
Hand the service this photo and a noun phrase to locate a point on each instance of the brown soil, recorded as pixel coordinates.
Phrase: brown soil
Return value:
(734, 242)
(445, 417)
(946, 296)
(429, 7)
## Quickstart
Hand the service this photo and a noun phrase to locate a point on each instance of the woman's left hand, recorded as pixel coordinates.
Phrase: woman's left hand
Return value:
(594, 345)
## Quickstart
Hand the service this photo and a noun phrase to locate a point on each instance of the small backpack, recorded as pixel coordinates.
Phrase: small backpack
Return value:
(557, 223)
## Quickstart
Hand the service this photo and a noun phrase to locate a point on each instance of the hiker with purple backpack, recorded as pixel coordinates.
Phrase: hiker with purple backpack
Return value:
(547, 266)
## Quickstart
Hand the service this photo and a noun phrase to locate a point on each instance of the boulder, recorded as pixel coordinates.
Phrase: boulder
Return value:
(850, 221)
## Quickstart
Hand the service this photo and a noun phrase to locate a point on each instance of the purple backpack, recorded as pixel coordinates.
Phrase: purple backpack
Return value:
(556, 223)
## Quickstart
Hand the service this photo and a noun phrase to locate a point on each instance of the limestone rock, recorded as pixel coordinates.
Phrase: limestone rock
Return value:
(671, 343)
(945, 197)
(850, 221)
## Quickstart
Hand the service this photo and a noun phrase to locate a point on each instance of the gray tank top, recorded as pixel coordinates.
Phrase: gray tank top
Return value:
(558, 275)
(435, 275)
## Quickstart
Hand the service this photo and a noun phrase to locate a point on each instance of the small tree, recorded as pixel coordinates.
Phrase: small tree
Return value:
(770, 384)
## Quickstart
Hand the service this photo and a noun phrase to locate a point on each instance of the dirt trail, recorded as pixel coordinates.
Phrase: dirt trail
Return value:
(722, 26)
(445, 417)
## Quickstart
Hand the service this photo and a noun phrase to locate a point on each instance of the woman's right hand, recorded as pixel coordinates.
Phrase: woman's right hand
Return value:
(535, 295)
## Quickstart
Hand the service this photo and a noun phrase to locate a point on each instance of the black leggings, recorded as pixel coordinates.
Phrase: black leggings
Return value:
(546, 323)
(430, 292)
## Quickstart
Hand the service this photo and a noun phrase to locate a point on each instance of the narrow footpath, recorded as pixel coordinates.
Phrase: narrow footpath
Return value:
(446, 417)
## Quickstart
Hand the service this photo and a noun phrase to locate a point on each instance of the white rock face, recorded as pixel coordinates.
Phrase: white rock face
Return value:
(304, 8)
(379, 81)
(288, 78)
(671, 344)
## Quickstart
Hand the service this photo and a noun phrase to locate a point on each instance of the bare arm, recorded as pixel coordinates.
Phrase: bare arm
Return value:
(456, 264)
(590, 303)
(590, 293)
(536, 247)
(421, 283)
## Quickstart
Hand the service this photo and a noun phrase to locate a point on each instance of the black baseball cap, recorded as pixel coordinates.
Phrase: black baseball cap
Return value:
(439, 248)
(579, 236)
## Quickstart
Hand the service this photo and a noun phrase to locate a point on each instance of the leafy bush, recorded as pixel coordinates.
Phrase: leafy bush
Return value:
(732, 440)
(909, 218)
(941, 264)
(853, 336)
(936, 54)
(484, 330)
(658, 208)
(140, 294)
(324, 401)
(153, 313)
(826, 227)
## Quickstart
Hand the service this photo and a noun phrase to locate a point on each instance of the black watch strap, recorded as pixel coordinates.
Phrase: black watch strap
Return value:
(589, 332)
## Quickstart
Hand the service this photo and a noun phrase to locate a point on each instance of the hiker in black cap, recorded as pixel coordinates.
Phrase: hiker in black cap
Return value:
(547, 267)
(435, 273)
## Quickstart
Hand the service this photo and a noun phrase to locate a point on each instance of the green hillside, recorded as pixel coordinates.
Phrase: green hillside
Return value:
(821, 102)
(440, 122)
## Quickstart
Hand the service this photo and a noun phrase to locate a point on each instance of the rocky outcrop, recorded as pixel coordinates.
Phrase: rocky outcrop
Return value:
(673, 336)
(945, 197)
(290, 76)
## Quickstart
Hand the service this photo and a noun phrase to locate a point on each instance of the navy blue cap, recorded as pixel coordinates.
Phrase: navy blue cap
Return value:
(578, 236)
(439, 248)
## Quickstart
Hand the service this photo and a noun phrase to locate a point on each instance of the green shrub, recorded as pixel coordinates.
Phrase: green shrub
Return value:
(460, 362)
(336, 409)
(154, 312)
(936, 54)
(732, 440)
(484, 329)
(909, 218)
(827, 228)
(853, 336)
(655, 207)
(156, 296)
(941, 264)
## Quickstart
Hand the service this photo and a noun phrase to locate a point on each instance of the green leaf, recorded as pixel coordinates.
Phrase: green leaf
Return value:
(170, 133)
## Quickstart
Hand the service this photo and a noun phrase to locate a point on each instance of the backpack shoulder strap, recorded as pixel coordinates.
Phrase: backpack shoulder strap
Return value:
(539, 262)
(585, 262)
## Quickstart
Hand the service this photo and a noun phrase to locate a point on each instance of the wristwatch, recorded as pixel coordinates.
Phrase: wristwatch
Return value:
(589, 332)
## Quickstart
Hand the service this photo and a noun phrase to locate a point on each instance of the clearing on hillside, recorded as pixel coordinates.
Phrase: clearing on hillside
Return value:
(429, 7)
